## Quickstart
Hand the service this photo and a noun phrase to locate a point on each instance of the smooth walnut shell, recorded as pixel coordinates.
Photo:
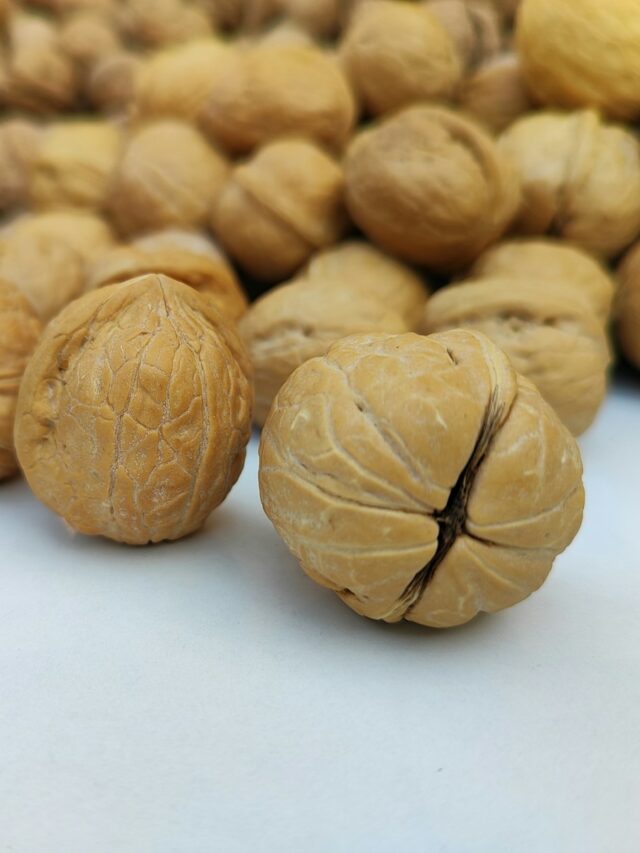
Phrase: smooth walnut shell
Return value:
(20, 329)
(168, 175)
(272, 90)
(474, 26)
(550, 336)
(46, 255)
(135, 411)
(19, 143)
(396, 54)
(111, 84)
(75, 165)
(156, 23)
(582, 53)
(430, 186)
(552, 261)
(300, 320)
(495, 94)
(580, 179)
(279, 207)
(420, 478)
(628, 306)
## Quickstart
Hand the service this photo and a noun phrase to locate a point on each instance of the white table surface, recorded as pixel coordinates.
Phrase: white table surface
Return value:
(205, 696)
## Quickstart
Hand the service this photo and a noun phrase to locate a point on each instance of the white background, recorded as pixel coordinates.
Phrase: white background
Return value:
(206, 696)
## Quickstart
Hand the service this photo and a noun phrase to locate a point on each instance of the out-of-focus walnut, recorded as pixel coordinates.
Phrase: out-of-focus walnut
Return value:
(134, 412)
(46, 255)
(430, 186)
(19, 143)
(156, 23)
(473, 26)
(397, 53)
(284, 32)
(628, 306)
(271, 90)
(20, 329)
(550, 335)
(240, 15)
(111, 84)
(420, 478)
(168, 175)
(279, 207)
(553, 261)
(580, 179)
(88, 36)
(496, 94)
(582, 53)
(75, 164)
(321, 18)
(300, 320)
(65, 7)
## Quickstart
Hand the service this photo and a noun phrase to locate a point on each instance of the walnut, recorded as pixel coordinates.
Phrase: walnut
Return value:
(496, 94)
(321, 18)
(19, 332)
(580, 179)
(473, 25)
(279, 207)
(112, 81)
(506, 8)
(396, 53)
(582, 53)
(87, 36)
(46, 255)
(554, 261)
(271, 90)
(551, 337)
(156, 23)
(284, 32)
(64, 7)
(168, 175)
(134, 412)
(420, 478)
(75, 164)
(628, 306)
(19, 143)
(430, 186)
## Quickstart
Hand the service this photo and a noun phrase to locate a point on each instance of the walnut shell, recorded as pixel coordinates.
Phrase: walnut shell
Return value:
(582, 53)
(112, 81)
(272, 90)
(580, 179)
(320, 18)
(168, 175)
(553, 261)
(551, 337)
(628, 306)
(474, 26)
(156, 23)
(243, 15)
(279, 207)
(396, 53)
(20, 329)
(430, 186)
(75, 164)
(87, 36)
(496, 94)
(135, 411)
(19, 143)
(420, 478)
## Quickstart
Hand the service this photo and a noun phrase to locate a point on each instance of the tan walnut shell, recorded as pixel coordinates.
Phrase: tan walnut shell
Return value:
(430, 186)
(496, 94)
(156, 23)
(168, 175)
(582, 53)
(550, 336)
(279, 207)
(628, 306)
(274, 90)
(87, 36)
(111, 83)
(19, 143)
(420, 478)
(398, 53)
(321, 18)
(20, 329)
(474, 26)
(134, 412)
(580, 179)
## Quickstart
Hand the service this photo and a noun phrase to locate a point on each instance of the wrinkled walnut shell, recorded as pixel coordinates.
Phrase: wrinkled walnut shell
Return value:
(495, 94)
(474, 26)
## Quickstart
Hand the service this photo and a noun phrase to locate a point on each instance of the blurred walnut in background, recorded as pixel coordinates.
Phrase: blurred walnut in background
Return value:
(19, 144)
(628, 306)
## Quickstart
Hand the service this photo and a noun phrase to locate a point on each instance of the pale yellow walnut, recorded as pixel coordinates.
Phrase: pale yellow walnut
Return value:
(75, 164)
(580, 179)
(20, 329)
(19, 144)
(551, 336)
(284, 32)
(420, 478)
(134, 412)
(87, 36)
(496, 94)
(271, 90)
(553, 261)
(281, 206)
(430, 186)
(300, 320)
(628, 306)
(46, 255)
(582, 53)
(320, 18)
(168, 175)
(474, 26)
(111, 84)
(156, 23)
(398, 53)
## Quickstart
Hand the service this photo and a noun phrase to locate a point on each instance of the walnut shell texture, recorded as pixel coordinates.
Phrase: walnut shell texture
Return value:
(134, 412)
(628, 306)
(156, 23)
(420, 478)
(19, 143)
(474, 26)
(496, 94)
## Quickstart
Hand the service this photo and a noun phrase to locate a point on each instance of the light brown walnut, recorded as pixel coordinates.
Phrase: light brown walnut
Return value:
(134, 412)
(496, 94)
(420, 478)
(156, 23)
(19, 143)
(628, 306)
(111, 83)
(474, 26)
(87, 36)
(320, 18)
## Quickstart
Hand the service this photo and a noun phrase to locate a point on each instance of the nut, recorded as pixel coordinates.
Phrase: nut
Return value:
(19, 143)
(135, 411)
(19, 332)
(87, 36)
(420, 478)
(496, 94)
(279, 207)
(111, 83)
(156, 23)
(472, 25)
(628, 306)
(396, 53)
(321, 18)
(430, 186)
(580, 179)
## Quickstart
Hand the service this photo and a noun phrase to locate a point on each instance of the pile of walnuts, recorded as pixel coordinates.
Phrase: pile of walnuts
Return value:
(437, 204)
